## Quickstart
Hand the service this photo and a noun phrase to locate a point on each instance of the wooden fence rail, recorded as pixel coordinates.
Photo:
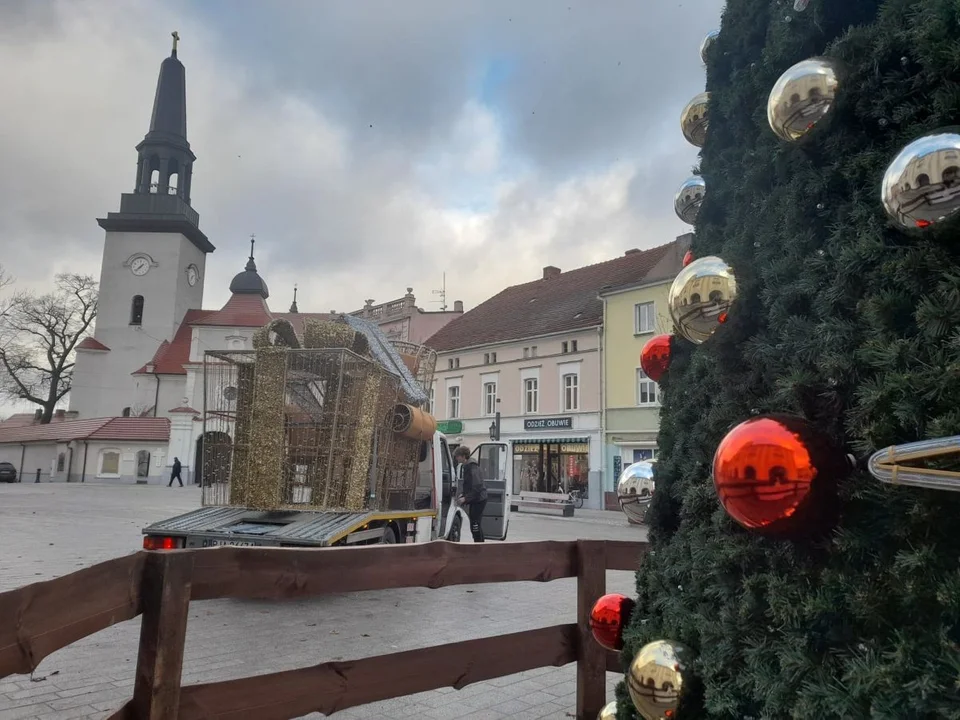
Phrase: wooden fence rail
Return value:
(40, 619)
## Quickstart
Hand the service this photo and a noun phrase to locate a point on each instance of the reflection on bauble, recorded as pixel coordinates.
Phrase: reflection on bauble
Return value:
(635, 490)
(921, 187)
(693, 119)
(708, 42)
(700, 298)
(688, 199)
(802, 97)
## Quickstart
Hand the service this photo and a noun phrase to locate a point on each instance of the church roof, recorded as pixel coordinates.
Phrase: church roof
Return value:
(91, 343)
(114, 429)
(241, 310)
(168, 123)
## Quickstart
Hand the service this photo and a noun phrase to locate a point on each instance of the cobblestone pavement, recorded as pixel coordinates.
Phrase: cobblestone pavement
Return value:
(49, 530)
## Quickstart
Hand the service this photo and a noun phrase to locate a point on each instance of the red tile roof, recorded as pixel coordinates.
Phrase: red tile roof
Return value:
(148, 429)
(563, 302)
(91, 343)
(170, 357)
(240, 311)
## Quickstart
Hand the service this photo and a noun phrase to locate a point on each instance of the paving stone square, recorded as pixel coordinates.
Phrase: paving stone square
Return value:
(48, 530)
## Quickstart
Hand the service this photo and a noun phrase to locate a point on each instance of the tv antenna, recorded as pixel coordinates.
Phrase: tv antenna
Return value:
(442, 292)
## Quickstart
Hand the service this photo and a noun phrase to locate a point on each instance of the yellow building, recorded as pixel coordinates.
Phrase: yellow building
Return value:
(632, 314)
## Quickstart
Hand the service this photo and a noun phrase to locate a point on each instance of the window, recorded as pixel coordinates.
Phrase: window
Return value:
(573, 346)
(493, 358)
(533, 351)
(143, 463)
(486, 358)
(136, 310)
(453, 394)
(526, 353)
(489, 398)
(432, 400)
(450, 364)
(564, 347)
(456, 363)
(571, 392)
(531, 395)
(646, 318)
(110, 462)
(648, 392)
(61, 462)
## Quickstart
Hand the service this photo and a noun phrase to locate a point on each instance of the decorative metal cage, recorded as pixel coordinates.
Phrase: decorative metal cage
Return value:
(304, 428)
(421, 361)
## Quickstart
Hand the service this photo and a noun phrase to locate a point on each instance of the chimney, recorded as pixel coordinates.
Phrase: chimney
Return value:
(550, 272)
(632, 251)
(72, 414)
(37, 415)
(59, 414)
(458, 306)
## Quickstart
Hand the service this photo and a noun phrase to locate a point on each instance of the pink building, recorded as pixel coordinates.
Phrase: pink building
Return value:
(533, 353)
(402, 320)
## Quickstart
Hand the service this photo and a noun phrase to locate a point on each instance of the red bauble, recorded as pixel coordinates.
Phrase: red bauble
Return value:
(777, 474)
(609, 617)
(655, 357)
(688, 257)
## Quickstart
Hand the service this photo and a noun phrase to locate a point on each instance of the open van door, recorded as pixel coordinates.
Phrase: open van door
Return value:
(493, 459)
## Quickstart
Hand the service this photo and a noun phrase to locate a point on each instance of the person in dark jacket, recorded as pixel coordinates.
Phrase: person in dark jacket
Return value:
(175, 474)
(474, 491)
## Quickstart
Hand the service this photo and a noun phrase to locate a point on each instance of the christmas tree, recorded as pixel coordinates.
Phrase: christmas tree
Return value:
(845, 319)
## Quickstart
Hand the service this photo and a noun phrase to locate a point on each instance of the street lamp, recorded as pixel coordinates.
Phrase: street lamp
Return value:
(495, 425)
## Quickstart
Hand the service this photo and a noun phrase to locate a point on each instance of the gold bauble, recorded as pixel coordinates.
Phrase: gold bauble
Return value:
(802, 97)
(700, 298)
(693, 119)
(688, 199)
(708, 42)
(921, 187)
(660, 680)
(609, 711)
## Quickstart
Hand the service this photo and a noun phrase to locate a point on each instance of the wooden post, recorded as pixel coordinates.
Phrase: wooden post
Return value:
(591, 657)
(163, 630)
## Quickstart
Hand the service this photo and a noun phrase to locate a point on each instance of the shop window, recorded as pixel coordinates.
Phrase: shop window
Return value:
(648, 392)
(109, 462)
(531, 395)
(143, 464)
(645, 318)
(571, 392)
(489, 398)
(453, 394)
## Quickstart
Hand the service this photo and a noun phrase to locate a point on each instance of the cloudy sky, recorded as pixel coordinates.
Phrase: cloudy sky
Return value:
(371, 145)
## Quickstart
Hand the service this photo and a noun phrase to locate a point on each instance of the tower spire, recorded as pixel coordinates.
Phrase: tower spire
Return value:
(249, 281)
(251, 265)
(293, 305)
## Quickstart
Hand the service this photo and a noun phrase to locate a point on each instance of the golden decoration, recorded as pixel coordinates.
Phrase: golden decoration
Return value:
(694, 119)
(609, 711)
(660, 681)
(700, 298)
(920, 184)
(803, 97)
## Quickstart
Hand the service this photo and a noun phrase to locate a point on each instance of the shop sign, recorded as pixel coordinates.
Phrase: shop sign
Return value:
(450, 427)
(533, 448)
(559, 423)
(617, 467)
(575, 448)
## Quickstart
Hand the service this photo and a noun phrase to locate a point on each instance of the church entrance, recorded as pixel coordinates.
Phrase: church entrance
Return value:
(214, 467)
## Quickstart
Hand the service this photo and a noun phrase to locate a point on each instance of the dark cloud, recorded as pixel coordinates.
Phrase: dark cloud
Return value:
(370, 146)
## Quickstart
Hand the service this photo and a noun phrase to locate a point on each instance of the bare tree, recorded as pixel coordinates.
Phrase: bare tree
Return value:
(38, 337)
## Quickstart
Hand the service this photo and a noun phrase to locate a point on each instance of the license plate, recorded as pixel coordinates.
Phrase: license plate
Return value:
(216, 542)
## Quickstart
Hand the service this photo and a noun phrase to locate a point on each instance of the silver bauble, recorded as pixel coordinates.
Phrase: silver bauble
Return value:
(921, 187)
(693, 119)
(608, 712)
(687, 201)
(708, 42)
(635, 490)
(700, 298)
(661, 681)
(802, 97)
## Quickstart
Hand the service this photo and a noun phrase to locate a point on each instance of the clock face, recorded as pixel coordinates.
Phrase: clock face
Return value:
(140, 266)
(193, 274)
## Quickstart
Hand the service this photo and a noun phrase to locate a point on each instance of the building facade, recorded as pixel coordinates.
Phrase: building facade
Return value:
(401, 319)
(632, 314)
(534, 353)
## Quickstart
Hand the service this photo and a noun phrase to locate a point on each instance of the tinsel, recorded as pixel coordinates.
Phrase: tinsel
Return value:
(358, 483)
(266, 461)
(241, 439)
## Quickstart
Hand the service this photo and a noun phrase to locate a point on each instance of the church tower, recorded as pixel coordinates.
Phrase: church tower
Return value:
(154, 261)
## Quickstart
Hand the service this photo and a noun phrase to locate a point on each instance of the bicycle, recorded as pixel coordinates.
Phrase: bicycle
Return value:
(575, 496)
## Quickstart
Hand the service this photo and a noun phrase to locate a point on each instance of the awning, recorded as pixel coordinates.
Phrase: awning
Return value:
(550, 441)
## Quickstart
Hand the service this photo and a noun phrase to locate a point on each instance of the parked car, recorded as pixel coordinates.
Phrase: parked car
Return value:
(8, 473)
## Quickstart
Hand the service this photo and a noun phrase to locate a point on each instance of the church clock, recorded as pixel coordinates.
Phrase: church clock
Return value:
(140, 266)
(193, 274)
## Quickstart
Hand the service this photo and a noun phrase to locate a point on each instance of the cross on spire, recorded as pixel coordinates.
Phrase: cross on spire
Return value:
(253, 239)
(176, 39)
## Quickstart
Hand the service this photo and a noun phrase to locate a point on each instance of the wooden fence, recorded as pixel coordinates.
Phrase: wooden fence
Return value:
(42, 618)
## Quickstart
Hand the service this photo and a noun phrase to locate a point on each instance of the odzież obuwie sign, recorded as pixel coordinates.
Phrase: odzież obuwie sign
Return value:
(559, 423)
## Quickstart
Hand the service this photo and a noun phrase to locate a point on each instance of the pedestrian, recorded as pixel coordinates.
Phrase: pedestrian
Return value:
(474, 494)
(175, 475)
